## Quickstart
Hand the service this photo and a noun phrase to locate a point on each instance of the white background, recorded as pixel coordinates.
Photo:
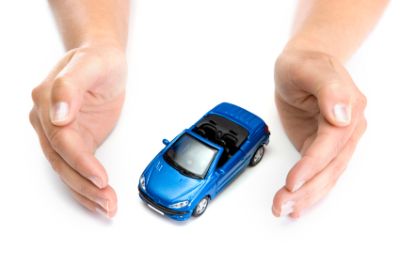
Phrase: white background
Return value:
(185, 57)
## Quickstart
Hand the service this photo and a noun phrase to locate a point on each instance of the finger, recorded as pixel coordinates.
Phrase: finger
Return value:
(68, 141)
(81, 74)
(70, 145)
(324, 147)
(286, 202)
(333, 87)
(106, 198)
(336, 100)
(90, 205)
(326, 180)
(328, 143)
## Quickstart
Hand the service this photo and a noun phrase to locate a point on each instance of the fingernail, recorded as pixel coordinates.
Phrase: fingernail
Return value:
(342, 113)
(96, 181)
(287, 208)
(103, 203)
(102, 212)
(298, 185)
(60, 111)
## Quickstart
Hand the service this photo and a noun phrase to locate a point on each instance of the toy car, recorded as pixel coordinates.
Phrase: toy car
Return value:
(194, 167)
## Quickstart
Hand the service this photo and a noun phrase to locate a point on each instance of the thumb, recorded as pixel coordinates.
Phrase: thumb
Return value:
(80, 75)
(335, 101)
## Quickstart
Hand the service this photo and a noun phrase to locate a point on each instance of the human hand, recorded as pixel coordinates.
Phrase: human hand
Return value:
(322, 112)
(75, 109)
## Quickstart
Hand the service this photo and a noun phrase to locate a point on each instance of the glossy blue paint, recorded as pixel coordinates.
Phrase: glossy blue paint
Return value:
(227, 137)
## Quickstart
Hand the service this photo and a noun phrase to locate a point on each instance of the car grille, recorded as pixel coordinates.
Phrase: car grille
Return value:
(164, 209)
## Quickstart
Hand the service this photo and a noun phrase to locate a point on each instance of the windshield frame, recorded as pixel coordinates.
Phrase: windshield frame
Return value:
(185, 171)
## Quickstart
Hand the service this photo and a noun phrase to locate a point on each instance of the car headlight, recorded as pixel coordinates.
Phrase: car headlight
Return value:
(179, 204)
(142, 182)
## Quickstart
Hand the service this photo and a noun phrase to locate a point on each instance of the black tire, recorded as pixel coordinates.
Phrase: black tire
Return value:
(258, 155)
(201, 207)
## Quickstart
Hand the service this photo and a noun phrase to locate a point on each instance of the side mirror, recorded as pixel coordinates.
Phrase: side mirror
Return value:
(165, 142)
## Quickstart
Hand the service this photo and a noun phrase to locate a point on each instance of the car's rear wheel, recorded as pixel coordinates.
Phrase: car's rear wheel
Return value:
(201, 207)
(258, 155)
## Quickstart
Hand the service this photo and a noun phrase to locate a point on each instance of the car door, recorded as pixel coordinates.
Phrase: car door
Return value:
(227, 171)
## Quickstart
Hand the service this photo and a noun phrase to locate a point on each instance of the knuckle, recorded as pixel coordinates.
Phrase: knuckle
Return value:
(36, 94)
(64, 87)
(32, 117)
(62, 83)
(286, 66)
(362, 101)
(281, 62)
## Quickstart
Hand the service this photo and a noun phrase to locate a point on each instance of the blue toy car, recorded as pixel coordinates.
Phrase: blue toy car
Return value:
(194, 167)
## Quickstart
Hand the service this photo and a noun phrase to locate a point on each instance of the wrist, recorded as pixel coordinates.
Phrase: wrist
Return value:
(102, 42)
(105, 52)
(309, 44)
(106, 48)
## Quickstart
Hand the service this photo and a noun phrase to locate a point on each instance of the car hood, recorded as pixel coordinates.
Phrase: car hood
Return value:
(168, 184)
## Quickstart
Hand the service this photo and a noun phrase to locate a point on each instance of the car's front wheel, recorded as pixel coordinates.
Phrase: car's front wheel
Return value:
(258, 155)
(201, 207)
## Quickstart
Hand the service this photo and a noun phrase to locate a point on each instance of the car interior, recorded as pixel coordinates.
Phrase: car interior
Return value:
(223, 132)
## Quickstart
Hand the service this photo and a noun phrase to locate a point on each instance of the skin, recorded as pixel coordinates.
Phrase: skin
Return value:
(79, 102)
(311, 83)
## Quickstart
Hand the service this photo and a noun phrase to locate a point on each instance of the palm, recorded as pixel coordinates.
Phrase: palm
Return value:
(322, 112)
(102, 103)
(97, 118)
(299, 111)
(76, 108)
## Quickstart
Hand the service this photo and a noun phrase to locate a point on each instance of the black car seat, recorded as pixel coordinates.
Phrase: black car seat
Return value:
(209, 131)
(230, 142)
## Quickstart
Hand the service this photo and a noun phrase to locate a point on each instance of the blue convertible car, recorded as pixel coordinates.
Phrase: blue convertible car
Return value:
(194, 167)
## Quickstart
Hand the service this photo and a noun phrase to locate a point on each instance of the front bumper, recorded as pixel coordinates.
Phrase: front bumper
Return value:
(174, 214)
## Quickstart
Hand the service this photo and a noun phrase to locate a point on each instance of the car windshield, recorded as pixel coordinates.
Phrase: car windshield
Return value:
(190, 156)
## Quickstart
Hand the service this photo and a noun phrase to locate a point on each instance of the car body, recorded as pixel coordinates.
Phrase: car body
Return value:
(198, 163)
